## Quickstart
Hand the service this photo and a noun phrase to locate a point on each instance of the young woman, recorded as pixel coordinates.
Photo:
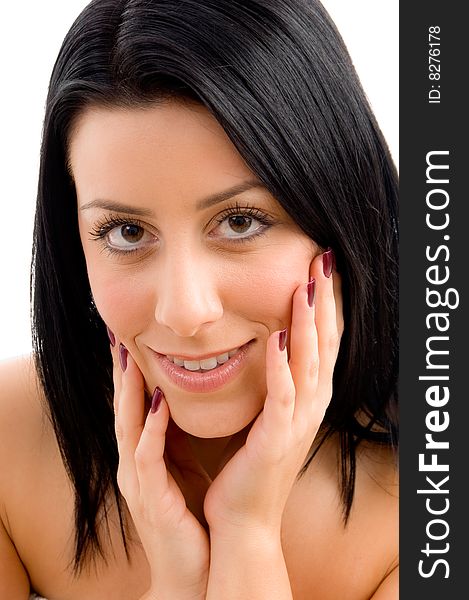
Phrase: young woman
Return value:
(210, 409)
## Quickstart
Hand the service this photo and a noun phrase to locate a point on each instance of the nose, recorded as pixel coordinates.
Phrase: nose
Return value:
(187, 296)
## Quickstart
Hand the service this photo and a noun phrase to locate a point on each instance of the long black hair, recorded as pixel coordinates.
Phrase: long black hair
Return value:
(278, 78)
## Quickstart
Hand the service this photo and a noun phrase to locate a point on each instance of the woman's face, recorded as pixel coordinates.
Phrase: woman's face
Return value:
(188, 256)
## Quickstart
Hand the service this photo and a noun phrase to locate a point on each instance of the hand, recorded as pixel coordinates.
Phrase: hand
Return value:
(175, 543)
(251, 491)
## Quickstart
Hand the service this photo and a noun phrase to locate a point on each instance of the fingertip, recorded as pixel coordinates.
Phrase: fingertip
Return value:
(129, 362)
(311, 291)
(132, 378)
(158, 415)
(156, 400)
(323, 266)
(277, 348)
(280, 387)
(123, 357)
(111, 336)
(282, 339)
(328, 262)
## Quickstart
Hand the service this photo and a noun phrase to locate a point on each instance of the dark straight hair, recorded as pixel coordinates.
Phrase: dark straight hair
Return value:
(278, 78)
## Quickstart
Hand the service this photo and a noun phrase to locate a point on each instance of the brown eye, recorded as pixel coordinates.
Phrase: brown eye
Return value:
(132, 233)
(128, 237)
(240, 224)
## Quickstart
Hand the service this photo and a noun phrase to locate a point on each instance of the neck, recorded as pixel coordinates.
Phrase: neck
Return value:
(214, 453)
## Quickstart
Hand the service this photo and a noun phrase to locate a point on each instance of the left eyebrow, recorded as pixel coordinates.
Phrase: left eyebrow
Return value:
(202, 204)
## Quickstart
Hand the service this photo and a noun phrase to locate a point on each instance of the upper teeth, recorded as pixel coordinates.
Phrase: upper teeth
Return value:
(205, 364)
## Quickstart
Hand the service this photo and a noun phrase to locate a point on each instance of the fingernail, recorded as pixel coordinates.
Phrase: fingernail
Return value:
(123, 352)
(327, 262)
(156, 400)
(111, 336)
(282, 340)
(311, 291)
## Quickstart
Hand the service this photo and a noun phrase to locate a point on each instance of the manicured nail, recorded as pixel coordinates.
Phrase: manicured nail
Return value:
(156, 400)
(123, 352)
(327, 262)
(282, 340)
(311, 291)
(111, 336)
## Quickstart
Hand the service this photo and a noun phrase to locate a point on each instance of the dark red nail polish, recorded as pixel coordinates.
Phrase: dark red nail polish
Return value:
(282, 340)
(327, 262)
(111, 336)
(123, 352)
(311, 291)
(156, 400)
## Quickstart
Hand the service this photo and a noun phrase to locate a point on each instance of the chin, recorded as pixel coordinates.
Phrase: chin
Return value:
(214, 422)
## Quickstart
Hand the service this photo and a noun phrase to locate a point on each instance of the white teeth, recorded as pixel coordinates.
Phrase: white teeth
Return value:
(208, 363)
(222, 358)
(192, 365)
(205, 364)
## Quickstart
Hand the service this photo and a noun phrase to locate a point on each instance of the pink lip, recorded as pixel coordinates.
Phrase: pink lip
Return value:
(204, 382)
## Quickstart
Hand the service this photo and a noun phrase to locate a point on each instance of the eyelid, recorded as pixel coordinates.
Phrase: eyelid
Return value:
(241, 208)
(110, 221)
(246, 211)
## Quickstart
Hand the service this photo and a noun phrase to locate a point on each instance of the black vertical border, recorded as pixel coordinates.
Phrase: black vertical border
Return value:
(426, 127)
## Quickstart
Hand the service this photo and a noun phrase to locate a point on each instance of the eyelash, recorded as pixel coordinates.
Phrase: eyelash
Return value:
(106, 225)
(102, 228)
(237, 210)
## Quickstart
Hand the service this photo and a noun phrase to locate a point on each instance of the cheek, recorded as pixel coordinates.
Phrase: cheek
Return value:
(121, 302)
(115, 290)
(267, 286)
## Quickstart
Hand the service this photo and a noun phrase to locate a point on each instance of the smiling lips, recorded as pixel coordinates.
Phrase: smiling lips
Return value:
(204, 375)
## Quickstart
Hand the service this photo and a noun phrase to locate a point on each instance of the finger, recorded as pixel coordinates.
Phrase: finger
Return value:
(149, 454)
(280, 400)
(129, 423)
(116, 376)
(304, 351)
(329, 324)
(160, 497)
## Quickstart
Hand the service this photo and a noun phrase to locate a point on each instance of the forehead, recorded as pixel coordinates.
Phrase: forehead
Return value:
(168, 144)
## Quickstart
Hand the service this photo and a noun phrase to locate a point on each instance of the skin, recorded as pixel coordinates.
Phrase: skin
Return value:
(206, 506)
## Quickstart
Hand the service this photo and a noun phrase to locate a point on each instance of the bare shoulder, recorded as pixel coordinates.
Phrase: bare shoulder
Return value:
(377, 474)
(324, 554)
(37, 503)
(376, 501)
(22, 418)
(24, 427)
(21, 429)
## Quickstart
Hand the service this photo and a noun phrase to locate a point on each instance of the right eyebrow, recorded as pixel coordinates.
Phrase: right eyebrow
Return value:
(112, 206)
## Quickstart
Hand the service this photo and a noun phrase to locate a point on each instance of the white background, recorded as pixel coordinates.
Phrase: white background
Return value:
(30, 37)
